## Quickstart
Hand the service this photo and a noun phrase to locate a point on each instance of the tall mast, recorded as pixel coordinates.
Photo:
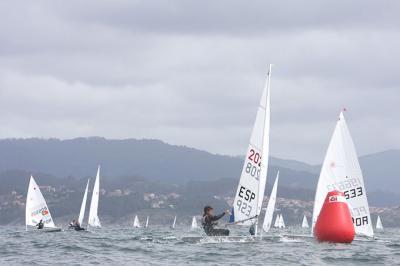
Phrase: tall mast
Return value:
(265, 149)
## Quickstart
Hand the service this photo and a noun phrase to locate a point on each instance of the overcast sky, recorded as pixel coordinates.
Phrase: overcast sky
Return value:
(192, 72)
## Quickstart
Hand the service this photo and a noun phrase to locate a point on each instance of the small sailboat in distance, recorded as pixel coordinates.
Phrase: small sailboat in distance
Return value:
(136, 222)
(304, 224)
(173, 223)
(379, 225)
(281, 222)
(147, 222)
(194, 223)
(269, 213)
(36, 210)
(277, 218)
(83, 206)
(94, 220)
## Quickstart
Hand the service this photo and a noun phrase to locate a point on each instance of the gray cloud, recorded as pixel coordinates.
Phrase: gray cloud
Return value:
(192, 72)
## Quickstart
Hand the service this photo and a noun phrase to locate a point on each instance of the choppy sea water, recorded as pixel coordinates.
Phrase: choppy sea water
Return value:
(162, 246)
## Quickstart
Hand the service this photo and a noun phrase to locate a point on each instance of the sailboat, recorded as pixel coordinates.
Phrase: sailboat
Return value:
(194, 223)
(269, 213)
(341, 171)
(281, 222)
(136, 222)
(94, 220)
(304, 224)
(147, 222)
(250, 192)
(36, 209)
(277, 218)
(173, 223)
(379, 225)
(83, 206)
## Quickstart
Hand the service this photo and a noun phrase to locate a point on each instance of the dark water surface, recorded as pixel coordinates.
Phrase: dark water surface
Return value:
(161, 246)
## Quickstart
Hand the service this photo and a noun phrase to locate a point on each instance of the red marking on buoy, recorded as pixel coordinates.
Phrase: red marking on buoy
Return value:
(334, 223)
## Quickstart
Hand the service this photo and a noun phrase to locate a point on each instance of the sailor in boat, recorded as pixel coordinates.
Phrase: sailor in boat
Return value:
(40, 225)
(209, 221)
(75, 225)
(252, 230)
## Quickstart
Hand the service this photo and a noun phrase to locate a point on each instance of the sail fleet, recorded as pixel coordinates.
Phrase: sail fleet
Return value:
(340, 171)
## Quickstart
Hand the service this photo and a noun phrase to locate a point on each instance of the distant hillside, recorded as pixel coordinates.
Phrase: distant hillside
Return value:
(181, 180)
(146, 158)
(381, 171)
(156, 160)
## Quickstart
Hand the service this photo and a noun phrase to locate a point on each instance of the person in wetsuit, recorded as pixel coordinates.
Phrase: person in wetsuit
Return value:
(40, 225)
(209, 221)
(75, 225)
(252, 230)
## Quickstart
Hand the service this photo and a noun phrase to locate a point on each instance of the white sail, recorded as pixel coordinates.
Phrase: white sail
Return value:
(304, 224)
(341, 171)
(194, 223)
(250, 191)
(276, 224)
(269, 213)
(379, 225)
(94, 220)
(136, 222)
(36, 207)
(83, 205)
(173, 224)
(281, 222)
(147, 222)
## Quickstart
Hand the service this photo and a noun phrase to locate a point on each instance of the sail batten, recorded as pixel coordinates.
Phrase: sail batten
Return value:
(341, 171)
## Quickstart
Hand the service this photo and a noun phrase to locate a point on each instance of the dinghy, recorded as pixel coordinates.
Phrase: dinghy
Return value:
(147, 222)
(269, 213)
(94, 220)
(379, 225)
(173, 223)
(304, 224)
(194, 223)
(277, 218)
(250, 192)
(36, 210)
(281, 222)
(341, 171)
(136, 223)
(83, 208)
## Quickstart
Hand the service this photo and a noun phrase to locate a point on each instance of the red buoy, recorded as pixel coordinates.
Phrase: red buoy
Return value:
(334, 223)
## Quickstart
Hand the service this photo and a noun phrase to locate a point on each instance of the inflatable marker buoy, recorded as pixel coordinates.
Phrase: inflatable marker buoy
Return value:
(334, 223)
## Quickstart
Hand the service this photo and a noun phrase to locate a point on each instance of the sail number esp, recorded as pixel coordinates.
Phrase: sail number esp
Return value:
(247, 195)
